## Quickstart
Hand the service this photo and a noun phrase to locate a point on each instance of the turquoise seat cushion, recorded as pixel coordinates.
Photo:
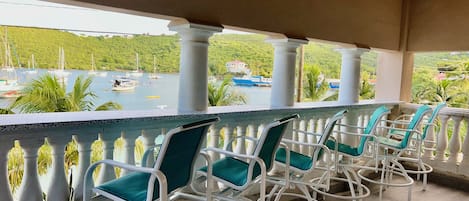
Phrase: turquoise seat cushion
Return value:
(132, 187)
(297, 160)
(232, 170)
(391, 142)
(343, 148)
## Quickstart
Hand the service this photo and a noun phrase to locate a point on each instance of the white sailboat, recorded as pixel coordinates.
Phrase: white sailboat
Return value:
(60, 73)
(154, 75)
(31, 66)
(92, 71)
(9, 86)
(137, 72)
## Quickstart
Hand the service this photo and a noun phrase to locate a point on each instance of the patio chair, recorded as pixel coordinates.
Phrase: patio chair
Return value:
(347, 165)
(392, 150)
(238, 172)
(300, 164)
(416, 147)
(172, 170)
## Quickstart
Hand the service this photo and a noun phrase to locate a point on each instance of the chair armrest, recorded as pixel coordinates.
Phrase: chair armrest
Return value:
(147, 153)
(88, 180)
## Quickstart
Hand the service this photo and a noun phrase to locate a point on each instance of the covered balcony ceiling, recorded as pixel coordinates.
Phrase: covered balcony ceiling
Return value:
(412, 25)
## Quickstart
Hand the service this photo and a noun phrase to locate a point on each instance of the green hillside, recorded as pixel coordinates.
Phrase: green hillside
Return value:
(118, 52)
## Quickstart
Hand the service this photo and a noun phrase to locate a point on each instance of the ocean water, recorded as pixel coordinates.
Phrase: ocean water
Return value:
(149, 93)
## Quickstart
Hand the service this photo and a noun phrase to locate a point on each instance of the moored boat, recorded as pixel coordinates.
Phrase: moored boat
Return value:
(257, 80)
(124, 84)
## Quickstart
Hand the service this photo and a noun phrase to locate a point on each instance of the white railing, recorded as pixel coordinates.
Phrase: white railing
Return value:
(31, 130)
(450, 141)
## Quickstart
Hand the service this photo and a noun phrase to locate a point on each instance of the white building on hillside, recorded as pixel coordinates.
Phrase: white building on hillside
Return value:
(237, 67)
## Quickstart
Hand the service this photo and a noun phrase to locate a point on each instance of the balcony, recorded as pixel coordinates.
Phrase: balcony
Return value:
(31, 130)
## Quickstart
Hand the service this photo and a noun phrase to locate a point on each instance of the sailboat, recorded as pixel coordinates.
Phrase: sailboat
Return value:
(137, 72)
(60, 72)
(154, 75)
(31, 66)
(93, 70)
(9, 86)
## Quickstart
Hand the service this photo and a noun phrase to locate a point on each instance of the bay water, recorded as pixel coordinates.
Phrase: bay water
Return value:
(149, 93)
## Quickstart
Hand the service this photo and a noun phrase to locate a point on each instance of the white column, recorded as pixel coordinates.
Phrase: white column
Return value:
(349, 89)
(394, 76)
(283, 83)
(84, 141)
(129, 137)
(193, 80)
(30, 189)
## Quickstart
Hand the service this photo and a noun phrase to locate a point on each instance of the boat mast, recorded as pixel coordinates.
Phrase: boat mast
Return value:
(92, 62)
(136, 55)
(154, 64)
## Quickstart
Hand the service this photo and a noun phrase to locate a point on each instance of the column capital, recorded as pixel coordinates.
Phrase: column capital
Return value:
(352, 51)
(286, 42)
(191, 30)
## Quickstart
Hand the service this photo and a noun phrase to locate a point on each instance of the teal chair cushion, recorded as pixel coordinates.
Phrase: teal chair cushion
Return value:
(297, 160)
(132, 187)
(343, 148)
(391, 142)
(232, 170)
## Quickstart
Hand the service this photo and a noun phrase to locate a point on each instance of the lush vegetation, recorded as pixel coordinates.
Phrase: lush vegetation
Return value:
(118, 52)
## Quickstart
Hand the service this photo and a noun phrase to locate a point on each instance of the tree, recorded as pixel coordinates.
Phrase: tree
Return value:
(47, 94)
(315, 86)
(367, 90)
(223, 94)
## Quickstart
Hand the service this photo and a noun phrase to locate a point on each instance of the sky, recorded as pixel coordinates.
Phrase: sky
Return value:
(34, 13)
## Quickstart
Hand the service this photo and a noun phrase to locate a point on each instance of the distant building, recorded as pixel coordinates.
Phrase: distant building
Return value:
(237, 67)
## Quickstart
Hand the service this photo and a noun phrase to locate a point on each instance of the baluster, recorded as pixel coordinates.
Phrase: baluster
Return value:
(106, 172)
(84, 141)
(312, 139)
(227, 145)
(294, 136)
(302, 137)
(149, 136)
(455, 142)
(214, 133)
(464, 166)
(320, 126)
(5, 191)
(129, 137)
(58, 190)
(429, 143)
(442, 139)
(241, 143)
(252, 132)
(30, 189)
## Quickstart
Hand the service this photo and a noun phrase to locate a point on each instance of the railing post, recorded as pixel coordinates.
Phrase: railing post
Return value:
(228, 137)
(30, 189)
(302, 137)
(312, 139)
(241, 143)
(149, 136)
(464, 166)
(5, 191)
(129, 137)
(442, 142)
(107, 172)
(252, 132)
(84, 141)
(429, 143)
(58, 190)
(455, 143)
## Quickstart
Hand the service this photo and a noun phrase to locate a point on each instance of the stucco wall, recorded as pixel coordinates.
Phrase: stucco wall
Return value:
(439, 25)
(369, 22)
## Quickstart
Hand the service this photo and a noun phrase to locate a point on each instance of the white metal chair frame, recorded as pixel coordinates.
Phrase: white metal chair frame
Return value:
(156, 173)
(252, 159)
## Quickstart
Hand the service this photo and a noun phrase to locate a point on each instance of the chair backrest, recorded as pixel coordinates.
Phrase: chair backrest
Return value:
(432, 119)
(326, 133)
(414, 122)
(268, 143)
(178, 152)
(371, 126)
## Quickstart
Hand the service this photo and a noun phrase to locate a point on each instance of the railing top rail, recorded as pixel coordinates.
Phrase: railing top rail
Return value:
(102, 118)
(450, 111)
